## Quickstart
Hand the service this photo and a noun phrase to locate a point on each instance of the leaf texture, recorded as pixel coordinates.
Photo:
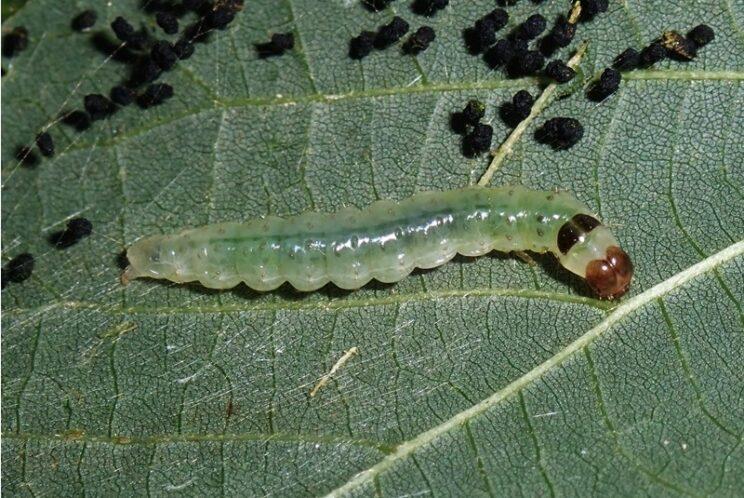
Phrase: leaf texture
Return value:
(485, 377)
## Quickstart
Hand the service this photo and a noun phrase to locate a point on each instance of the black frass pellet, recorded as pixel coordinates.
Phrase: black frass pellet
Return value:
(420, 40)
(85, 20)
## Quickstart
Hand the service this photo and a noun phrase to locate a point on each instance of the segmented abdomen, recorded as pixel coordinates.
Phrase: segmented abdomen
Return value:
(385, 241)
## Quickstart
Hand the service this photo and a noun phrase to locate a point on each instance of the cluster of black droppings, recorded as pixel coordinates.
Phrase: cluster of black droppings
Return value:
(126, 33)
(167, 21)
(560, 133)
(85, 20)
(388, 34)
(590, 8)
(376, 5)
(148, 59)
(145, 71)
(163, 54)
(518, 109)
(18, 269)
(77, 229)
(122, 95)
(183, 49)
(512, 51)
(531, 27)
(45, 143)
(559, 71)
(155, 94)
(671, 44)
(504, 51)
(560, 35)
(428, 7)
(477, 136)
(606, 85)
(148, 65)
(16, 41)
(419, 41)
(483, 34)
(279, 43)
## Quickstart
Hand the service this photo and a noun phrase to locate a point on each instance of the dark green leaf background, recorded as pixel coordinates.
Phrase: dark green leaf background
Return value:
(483, 377)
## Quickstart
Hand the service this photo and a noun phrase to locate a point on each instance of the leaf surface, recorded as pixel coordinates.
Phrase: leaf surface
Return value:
(483, 377)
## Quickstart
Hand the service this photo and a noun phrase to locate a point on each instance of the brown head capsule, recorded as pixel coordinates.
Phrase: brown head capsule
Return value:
(610, 277)
(588, 248)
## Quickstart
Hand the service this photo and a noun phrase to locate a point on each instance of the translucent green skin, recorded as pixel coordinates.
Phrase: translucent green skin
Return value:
(386, 241)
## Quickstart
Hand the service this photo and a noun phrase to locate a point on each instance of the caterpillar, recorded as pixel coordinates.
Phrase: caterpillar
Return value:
(387, 241)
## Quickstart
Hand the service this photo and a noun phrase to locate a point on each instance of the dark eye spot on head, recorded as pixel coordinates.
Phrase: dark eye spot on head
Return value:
(586, 222)
(568, 236)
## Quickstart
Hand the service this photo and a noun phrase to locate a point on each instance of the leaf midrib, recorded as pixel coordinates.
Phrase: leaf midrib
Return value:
(649, 296)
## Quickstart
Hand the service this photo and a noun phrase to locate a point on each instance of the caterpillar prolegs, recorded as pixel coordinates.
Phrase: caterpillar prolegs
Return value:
(387, 241)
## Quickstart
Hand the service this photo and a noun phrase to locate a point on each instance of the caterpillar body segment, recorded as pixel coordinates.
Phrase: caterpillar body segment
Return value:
(387, 241)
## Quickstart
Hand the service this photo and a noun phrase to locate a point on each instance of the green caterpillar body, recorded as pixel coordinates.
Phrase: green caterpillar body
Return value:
(386, 242)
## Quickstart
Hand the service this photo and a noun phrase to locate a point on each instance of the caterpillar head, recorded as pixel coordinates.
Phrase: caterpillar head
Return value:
(589, 249)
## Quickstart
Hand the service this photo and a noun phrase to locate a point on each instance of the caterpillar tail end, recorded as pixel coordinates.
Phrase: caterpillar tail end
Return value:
(610, 277)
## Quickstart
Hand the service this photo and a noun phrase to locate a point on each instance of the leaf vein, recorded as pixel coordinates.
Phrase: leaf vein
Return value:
(631, 305)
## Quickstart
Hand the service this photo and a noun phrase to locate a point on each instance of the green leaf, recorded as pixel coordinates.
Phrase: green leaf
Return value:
(483, 377)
